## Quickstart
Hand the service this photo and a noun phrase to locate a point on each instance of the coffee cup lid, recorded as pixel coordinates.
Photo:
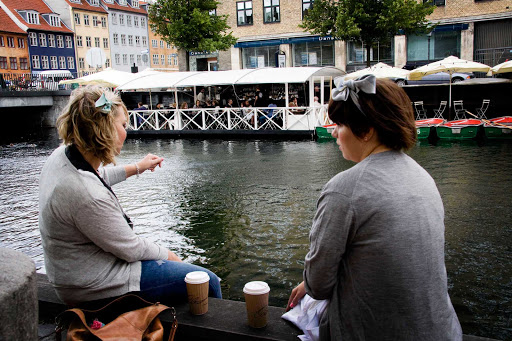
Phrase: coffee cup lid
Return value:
(256, 288)
(197, 277)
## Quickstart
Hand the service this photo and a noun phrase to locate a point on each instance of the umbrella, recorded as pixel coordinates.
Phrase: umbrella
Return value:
(502, 68)
(109, 78)
(450, 65)
(380, 70)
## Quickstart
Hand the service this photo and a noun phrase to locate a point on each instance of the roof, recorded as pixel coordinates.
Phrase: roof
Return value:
(127, 8)
(14, 6)
(7, 25)
(84, 5)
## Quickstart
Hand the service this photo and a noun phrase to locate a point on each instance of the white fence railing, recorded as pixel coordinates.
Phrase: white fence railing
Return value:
(273, 118)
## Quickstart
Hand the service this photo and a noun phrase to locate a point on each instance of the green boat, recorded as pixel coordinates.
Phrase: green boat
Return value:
(459, 130)
(427, 126)
(324, 133)
(499, 128)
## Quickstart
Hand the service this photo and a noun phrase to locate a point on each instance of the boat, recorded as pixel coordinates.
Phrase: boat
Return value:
(459, 129)
(496, 128)
(324, 133)
(427, 126)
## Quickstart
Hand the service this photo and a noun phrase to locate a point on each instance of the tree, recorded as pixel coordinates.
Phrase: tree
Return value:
(190, 25)
(370, 21)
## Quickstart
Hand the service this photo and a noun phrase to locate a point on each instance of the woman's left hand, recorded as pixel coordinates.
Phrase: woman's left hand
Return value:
(150, 162)
(297, 294)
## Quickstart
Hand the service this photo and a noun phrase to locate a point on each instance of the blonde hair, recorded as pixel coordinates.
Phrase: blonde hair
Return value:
(85, 126)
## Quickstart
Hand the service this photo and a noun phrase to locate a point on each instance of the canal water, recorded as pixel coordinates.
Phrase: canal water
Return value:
(244, 209)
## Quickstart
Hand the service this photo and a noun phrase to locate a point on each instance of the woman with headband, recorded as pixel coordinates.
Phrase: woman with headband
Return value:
(90, 248)
(377, 240)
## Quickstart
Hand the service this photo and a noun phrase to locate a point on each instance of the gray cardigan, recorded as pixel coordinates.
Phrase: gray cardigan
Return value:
(377, 252)
(90, 251)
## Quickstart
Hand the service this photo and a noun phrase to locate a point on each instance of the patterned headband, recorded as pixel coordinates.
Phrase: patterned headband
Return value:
(344, 89)
(104, 104)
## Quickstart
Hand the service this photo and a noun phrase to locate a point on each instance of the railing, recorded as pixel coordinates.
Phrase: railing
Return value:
(35, 81)
(271, 118)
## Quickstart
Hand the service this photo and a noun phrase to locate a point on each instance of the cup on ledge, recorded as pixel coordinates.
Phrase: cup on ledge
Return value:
(197, 290)
(256, 301)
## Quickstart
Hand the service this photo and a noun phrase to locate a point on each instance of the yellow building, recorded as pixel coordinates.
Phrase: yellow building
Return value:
(162, 56)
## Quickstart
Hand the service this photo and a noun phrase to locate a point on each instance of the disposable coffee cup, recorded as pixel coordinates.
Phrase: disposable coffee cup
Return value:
(256, 301)
(197, 290)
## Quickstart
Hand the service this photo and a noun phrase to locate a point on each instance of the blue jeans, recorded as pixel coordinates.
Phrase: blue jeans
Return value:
(164, 281)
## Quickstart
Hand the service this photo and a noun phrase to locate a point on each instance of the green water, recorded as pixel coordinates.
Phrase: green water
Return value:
(244, 208)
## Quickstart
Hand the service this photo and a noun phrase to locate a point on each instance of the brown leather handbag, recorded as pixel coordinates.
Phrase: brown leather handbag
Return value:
(128, 317)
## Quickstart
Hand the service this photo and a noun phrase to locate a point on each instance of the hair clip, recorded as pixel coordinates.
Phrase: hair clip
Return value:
(366, 84)
(104, 104)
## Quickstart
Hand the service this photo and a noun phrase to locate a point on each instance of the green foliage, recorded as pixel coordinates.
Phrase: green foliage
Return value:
(368, 20)
(188, 25)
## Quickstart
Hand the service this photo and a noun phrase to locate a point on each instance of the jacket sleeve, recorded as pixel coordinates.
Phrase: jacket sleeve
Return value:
(113, 175)
(101, 221)
(328, 239)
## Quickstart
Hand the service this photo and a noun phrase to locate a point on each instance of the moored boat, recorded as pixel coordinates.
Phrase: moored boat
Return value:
(459, 129)
(499, 128)
(325, 132)
(427, 126)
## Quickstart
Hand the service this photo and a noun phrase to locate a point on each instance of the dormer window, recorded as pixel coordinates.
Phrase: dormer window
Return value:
(135, 3)
(75, 1)
(122, 2)
(32, 17)
(54, 20)
(109, 1)
(94, 2)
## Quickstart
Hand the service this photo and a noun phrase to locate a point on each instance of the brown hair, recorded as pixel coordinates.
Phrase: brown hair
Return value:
(85, 126)
(389, 112)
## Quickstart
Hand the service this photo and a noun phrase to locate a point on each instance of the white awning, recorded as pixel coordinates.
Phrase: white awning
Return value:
(287, 75)
(161, 80)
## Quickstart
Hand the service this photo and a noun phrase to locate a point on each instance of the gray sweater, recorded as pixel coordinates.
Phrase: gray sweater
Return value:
(377, 252)
(90, 251)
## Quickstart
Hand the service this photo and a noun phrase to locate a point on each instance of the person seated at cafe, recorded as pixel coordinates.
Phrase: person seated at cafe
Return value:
(248, 113)
(201, 97)
(184, 105)
(140, 107)
(230, 103)
(293, 104)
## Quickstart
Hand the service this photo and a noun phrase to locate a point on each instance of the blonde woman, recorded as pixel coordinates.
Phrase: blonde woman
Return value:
(91, 251)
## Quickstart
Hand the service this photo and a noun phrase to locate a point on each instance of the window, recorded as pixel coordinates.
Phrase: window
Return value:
(60, 41)
(35, 62)
(154, 43)
(94, 21)
(162, 59)
(44, 62)
(132, 59)
(122, 2)
(21, 43)
(88, 41)
(95, 2)
(123, 39)
(3, 63)
(114, 18)
(139, 59)
(62, 62)
(13, 61)
(23, 64)
(306, 6)
(129, 20)
(105, 43)
(136, 21)
(69, 42)
(2, 42)
(254, 57)
(155, 59)
(71, 62)
(356, 53)
(176, 60)
(96, 42)
(125, 59)
(53, 62)
(135, 3)
(161, 44)
(116, 39)
(144, 42)
(439, 2)
(33, 18)
(118, 60)
(107, 62)
(143, 22)
(130, 40)
(79, 41)
(103, 22)
(169, 59)
(121, 19)
(271, 11)
(51, 40)
(137, 40)
(168, 45)
(86, 19)
(244, 13)
(32, 36)
(42, 39)
(77, 18)
(213, 12)
(440, 45)
(10, 42)
(54, 20)
(81, 63)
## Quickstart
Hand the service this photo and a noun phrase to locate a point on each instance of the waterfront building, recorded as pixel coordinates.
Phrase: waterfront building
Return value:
(14, 55)
(89, 21)
(50, 40)
(163, 56)
(269, 36)
(128, 27)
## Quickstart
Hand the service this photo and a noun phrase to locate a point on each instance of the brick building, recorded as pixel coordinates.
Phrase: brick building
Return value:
(14, 55)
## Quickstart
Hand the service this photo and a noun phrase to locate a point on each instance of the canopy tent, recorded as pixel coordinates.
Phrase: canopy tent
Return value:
(109, 77)
(502, 68)
(380, 70)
